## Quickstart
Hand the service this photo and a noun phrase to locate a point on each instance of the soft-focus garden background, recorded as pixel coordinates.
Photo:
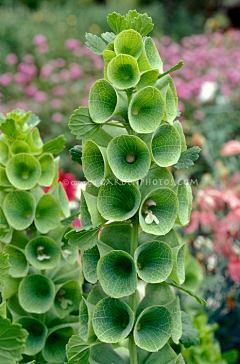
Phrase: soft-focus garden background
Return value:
(46, 68)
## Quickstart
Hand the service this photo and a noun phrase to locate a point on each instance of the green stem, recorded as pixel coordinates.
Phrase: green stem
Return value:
(133, 298)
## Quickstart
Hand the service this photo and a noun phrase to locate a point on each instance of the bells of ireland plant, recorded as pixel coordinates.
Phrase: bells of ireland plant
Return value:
(40, 277)
(131, 145)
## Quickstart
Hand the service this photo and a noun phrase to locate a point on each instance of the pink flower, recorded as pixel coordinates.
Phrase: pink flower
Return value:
(57, 117)
(65, 74)
(59, 63)
(46, 71)
(29, 58)
(21, 78)
(6, 79)
(44, 48)
(39, 40)
(234, 269)
(198, 114)
(75, 71)
(11, 58)
(194, 222)
(230, 148)
(30, 90)
(72, 44)
(40, 96)
(84, 101)
(59, 91)
(56, 104)
(29, 69)
(21, 105)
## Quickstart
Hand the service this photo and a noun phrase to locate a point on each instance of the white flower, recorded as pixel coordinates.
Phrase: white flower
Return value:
(151, 217)
(66, 253)
(208, 91)
(43, 257)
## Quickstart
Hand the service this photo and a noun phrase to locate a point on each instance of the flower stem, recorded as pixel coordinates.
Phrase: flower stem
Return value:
(133, 298)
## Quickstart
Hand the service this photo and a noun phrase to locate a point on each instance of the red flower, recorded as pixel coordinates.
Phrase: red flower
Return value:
(230, 148)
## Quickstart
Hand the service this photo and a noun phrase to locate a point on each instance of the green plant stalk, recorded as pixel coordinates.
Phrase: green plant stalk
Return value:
(133, 298)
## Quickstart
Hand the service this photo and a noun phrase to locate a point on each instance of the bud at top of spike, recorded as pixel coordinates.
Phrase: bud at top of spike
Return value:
(129, 42)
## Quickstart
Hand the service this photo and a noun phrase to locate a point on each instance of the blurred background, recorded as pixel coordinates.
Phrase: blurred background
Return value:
(46, 68)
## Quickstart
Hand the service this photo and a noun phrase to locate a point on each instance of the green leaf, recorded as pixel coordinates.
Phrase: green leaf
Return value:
(43, 253)
(55, 146)
(128, 42)
(36, 293)
(184, 194)
(162, 204)
(179, 128)
(200, 300)
(153, 328)
(78, 351)
(174, 68)
(118, 201)
(115, 237)
(148, 78)
(94, 162)
(146, 110)
(60, 195)
(47, 169)
(190, 335)
(117, 22)
(19, 207)
(76, 154)
(154, 261)
(4, 267)
(169, 93)
(108, 36)
(123, 72)
(65, 272)
(67, 299)
(187, 158)
(47, 216)
(117, 274)
(18, 261)
(130, 16)
(84, 213)
(70, 219)
(12, 338)
(10, 287)
(128, 157)
(112, 320)
(9, 129)
(142, 24)
(37, 333)
(85, 317)
(82, 125)
(85, 238)
(95, 44)
(3, 309)
(96, 294)
(90, 259)
(23, 171)
(178, 271)
(166, 355)
(166, 146)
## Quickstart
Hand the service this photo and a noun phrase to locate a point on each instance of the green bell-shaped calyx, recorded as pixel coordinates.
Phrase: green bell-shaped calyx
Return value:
(123, 72)
(4, 153)
(117, 274)
(43, 253)
(146, 110)
(19, 147)
(105, 102)
(47, 169)
(67, 298)
(153, 328)
(47, 216)
(23, 171)
(94, 162)
(118, 201)
(19, 207)
(128, 157)
(37, 333)
(158, 211)
(166, 146)
(18, 261)
(149, 58)
(112, 320)
(128, 42)
(36, 293)
(154, 261)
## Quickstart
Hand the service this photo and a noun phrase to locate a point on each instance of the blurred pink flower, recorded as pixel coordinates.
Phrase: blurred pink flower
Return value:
(76, 71)
(65, 74)
(11, 58)
(29, 69)
(72, 44)
(21, 78)
(39, 40)
(46, 71)
(6, 79)
(59, 63)
(56, 104)
(198, 114)
(59, 91)
(230, 148)
(44, 48)
(21, 105)
(40, 96)
(234, 269)
(29, 58)
(84, 101)
(57, 117)
(30, 90)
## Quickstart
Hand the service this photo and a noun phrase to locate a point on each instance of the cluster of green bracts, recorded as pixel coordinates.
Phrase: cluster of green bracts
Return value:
(40, 277)
(129, 139)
